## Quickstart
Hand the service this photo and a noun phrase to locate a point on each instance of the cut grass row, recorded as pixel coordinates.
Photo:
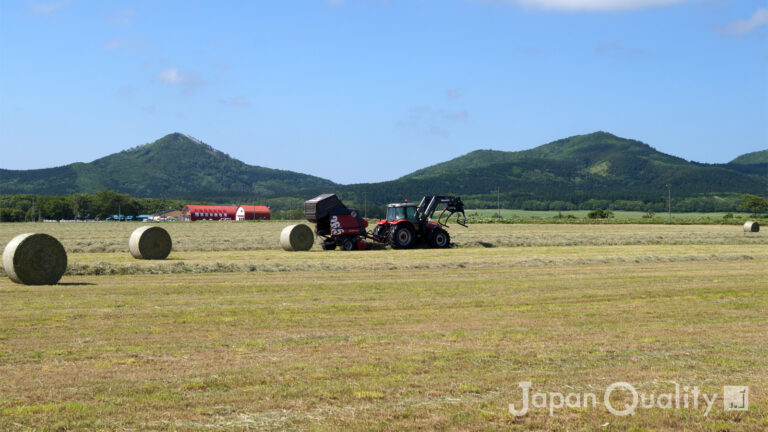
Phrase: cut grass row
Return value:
(266, 261)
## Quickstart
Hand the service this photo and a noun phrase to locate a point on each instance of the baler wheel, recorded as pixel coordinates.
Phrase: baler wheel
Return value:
(348, 244)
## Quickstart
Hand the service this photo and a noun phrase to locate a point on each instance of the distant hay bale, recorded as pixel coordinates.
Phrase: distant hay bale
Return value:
(751, 226)
(34, 259)
(150, 242)
(297, 237)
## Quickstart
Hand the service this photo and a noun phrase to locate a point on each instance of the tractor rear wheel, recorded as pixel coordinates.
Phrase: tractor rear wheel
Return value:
(402, 237)
(440, 238)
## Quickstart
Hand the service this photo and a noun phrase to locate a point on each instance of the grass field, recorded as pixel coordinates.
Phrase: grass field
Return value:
(232, 333)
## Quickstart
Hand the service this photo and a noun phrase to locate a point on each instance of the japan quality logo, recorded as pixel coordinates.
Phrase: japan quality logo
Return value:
(736, 398)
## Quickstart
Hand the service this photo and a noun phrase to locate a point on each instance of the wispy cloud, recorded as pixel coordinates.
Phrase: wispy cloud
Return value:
(47, 7)
(123, 17)
(742, 27)
(176, 77)
(113, 44)
(453, 93)
(238, 101)
(458, 116)
(591, 5)
(434, 130)
(433, 121)
(126, 91)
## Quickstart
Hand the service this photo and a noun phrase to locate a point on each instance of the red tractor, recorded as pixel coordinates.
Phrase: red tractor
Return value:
(405, 226)
(408, 224)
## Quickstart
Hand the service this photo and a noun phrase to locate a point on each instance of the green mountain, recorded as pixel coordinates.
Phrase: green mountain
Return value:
(758, 157)
(597, 166)
(175, 166)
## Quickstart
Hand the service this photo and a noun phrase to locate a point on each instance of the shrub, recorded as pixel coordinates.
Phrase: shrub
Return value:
(600, 214)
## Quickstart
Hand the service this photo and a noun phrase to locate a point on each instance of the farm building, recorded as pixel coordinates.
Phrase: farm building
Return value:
(250, 212)
(207, 212)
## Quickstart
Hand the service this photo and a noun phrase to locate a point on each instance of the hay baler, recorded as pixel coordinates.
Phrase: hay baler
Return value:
(337, 224)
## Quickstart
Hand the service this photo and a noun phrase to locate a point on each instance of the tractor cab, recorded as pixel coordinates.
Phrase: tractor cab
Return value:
(400, 211)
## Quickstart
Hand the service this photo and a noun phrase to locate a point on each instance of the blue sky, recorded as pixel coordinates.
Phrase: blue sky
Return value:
(369, 90)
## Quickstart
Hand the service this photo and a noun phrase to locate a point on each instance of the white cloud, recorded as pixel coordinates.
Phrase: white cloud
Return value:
(742, 27)
(453, 93)
(48, 7)
(591, 5)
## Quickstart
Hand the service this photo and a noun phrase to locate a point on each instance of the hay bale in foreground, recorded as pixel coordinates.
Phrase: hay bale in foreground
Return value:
(297, 237)
(751, 226)
(150, 242)
(34, 259)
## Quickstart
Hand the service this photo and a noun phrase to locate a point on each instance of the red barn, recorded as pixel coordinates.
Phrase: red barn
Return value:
(206, 212)
(250, 212)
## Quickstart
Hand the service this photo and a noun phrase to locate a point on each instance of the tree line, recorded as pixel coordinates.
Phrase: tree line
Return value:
(100, 205)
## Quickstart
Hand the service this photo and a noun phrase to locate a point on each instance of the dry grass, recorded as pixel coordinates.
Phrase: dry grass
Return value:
(388, 340)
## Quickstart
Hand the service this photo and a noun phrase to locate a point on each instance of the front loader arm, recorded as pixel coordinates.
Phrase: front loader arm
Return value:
(453, 204)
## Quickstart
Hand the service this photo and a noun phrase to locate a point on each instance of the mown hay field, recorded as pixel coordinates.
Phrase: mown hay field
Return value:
(232, 333)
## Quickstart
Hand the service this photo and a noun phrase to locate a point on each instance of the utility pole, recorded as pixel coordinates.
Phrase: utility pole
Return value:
(498, 201)
(33, 209)
(669, 201)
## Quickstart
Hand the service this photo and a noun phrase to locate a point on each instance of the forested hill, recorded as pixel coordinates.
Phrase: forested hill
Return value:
(597, 166)
(175, 166)
(758, 157)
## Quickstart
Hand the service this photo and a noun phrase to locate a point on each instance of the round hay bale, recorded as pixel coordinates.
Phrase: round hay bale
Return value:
(150, 242)
(34, 259)
(297, 237)
(751, 226)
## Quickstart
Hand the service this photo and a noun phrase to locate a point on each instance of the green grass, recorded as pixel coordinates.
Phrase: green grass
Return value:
(619, 214)
(388, 340)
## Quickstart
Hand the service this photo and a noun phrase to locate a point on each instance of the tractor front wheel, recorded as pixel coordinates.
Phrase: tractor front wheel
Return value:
(440, 239)
(402, 237)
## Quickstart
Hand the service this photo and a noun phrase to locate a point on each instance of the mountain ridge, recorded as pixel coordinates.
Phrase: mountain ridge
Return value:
(597, 165)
